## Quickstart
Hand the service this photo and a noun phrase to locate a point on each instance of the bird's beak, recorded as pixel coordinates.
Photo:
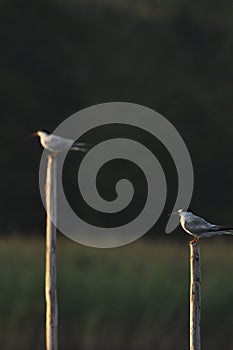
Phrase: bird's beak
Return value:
(173, 213)
(34, 134)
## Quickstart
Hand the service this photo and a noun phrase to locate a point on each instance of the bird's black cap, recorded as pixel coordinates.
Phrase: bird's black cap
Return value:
(189, 210)
(43, 130)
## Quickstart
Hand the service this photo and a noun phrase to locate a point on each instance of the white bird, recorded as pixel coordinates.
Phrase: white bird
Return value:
(57, 144)
(198, 227)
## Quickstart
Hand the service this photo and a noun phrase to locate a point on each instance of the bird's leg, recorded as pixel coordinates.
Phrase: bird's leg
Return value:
(195, 240)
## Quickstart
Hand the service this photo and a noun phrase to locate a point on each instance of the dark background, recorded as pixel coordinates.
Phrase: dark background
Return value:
(58, 57)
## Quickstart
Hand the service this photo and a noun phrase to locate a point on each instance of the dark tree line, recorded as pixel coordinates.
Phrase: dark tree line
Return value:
(58, 57)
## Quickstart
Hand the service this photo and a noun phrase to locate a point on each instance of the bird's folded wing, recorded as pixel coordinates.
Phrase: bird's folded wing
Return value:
(212, 230)
(216, 233)
(198, 225)
(81, 146)
(221, 230)
(59, 143)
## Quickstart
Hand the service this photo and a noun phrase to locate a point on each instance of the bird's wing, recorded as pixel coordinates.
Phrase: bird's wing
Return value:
(81, 146)
(223, 228)
(197, 225)
(216, 233)
(219, 230)
(58, 143)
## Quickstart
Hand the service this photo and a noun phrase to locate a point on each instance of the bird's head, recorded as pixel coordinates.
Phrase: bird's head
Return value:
(39, 133)
(182, 212)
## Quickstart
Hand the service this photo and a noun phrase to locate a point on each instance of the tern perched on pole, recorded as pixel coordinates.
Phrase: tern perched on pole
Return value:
(55, 145)
(58, 144)
(198, 227)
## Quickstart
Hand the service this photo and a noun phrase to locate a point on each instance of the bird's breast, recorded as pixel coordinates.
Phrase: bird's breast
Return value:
(182, 222)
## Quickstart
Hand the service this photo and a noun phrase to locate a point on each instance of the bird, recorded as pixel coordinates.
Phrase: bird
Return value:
(200, 228)
(57, 144)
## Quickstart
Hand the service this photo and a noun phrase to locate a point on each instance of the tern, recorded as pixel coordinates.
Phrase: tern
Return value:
(198, 227)
(58, 144)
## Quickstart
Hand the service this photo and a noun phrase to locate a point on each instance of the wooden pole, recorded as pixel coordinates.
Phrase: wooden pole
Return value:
(195, 296)
(50, 264)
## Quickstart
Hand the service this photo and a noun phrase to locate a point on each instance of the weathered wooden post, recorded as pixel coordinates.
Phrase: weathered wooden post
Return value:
(195, 296)
(50, 264)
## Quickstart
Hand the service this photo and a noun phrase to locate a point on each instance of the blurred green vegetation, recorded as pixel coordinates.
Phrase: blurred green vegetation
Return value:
(134, 297)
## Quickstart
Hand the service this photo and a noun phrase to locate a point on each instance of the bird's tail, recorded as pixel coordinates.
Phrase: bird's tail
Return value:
(229, 233)
(225, 230)
(81, 147)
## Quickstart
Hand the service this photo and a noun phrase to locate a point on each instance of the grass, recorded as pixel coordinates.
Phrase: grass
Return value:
(134, 297)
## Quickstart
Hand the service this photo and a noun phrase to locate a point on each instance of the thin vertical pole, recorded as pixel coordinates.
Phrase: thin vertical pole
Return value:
(195, 296)
(50, 264)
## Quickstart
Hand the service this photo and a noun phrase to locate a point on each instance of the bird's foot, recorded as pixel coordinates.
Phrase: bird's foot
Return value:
(195, 240)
